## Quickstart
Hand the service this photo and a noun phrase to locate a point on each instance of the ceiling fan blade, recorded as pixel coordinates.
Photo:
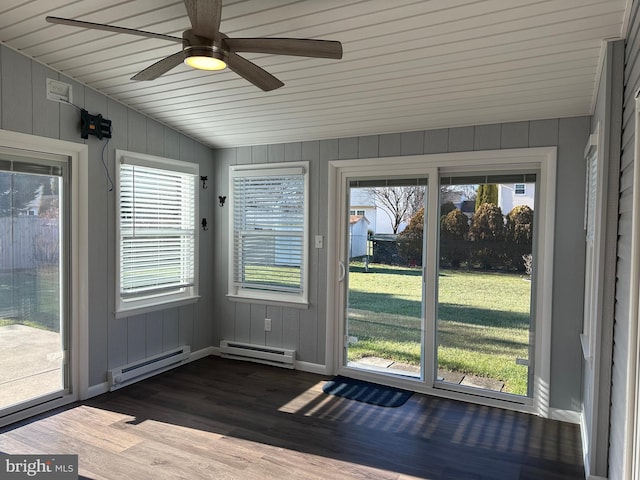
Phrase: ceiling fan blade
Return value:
(253, 73)
(205, 16)
(162, 66)
(287, 46)
(111, 28)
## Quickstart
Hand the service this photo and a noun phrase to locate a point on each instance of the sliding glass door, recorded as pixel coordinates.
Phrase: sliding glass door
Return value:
(438, 277)
(384, 330)
(33, 320)
(484, 282)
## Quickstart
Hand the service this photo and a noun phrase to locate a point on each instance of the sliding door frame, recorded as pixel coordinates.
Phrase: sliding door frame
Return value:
(543, 160)
(77, 264)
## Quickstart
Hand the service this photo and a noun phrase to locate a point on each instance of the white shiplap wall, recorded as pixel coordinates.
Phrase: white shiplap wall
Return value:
(112, 342)
(305, 330)
(408, 64)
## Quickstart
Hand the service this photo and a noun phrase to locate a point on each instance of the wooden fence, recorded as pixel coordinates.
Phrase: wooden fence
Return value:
(27, 242)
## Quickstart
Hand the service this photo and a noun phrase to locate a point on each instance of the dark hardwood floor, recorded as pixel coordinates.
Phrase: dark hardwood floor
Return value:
(223, 419)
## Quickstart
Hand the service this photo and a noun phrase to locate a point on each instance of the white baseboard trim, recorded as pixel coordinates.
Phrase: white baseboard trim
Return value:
(569, 416)
(311, 367)
(203, 352)
(595, 477)
(98, 389)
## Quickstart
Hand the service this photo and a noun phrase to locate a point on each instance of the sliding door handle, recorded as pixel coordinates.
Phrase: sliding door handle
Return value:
(343, 271)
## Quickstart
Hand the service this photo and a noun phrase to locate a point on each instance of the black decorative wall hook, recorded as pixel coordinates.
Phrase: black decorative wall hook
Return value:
(222, 199)
(205, 227)
(203, 179)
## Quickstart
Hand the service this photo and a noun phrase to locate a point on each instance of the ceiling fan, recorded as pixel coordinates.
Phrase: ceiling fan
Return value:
(206, 48)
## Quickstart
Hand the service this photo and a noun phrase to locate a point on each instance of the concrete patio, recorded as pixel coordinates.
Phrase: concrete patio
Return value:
(381, 364)
(31, 361)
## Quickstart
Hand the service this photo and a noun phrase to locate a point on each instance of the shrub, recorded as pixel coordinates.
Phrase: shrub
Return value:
(487, 223)
(445, 208)
(519, 228)
(454, 224)
(519, 236)
(487, 232)
(410, 239)
(454, 227)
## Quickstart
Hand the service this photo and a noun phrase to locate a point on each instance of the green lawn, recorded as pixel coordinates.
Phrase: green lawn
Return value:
(483, 320)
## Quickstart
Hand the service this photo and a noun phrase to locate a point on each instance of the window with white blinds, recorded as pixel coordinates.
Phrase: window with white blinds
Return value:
(158, 234)
(268, 228)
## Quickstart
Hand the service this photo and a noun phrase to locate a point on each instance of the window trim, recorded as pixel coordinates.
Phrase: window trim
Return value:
(594, 258)
(128, 307)
(269, 297)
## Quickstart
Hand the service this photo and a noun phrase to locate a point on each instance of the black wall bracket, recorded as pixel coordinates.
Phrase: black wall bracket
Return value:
(94, 125)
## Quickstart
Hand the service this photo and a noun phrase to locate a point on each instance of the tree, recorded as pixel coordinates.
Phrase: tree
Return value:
(457, 193)
(50, 199)
(486, 193)
(17, 191)
(399, 203)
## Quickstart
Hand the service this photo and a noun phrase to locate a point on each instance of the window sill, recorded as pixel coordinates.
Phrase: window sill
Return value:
(301, 304)
(130, 312)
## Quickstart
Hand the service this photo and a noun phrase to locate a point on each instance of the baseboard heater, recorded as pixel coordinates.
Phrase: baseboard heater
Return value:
(279, 357)
(136, 371)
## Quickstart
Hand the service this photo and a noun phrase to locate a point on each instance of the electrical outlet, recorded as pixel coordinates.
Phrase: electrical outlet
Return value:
(319, 241)
(267, 324)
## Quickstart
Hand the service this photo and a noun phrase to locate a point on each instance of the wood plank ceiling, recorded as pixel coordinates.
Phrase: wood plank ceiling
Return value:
(408, 65)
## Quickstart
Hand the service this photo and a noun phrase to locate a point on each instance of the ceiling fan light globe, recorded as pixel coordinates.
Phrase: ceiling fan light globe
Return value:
(204, 59)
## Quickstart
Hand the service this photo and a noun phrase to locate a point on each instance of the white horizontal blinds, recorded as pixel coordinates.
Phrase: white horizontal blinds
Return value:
(157, 230)
(522, 178)
(269, 229)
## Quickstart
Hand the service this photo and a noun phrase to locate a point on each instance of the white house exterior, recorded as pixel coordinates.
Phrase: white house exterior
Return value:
(362, 202)
(513, 194)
